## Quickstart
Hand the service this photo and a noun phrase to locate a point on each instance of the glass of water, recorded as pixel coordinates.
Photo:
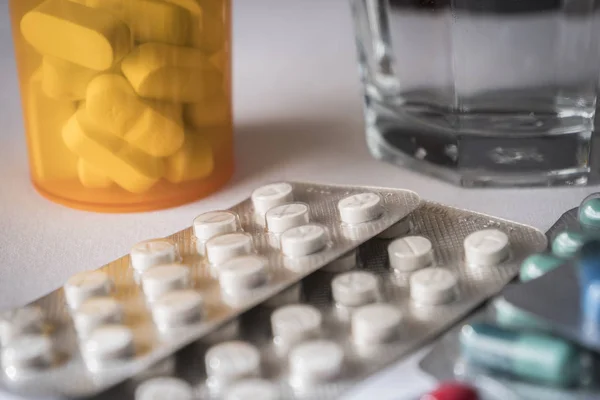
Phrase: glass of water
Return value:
(481, 92)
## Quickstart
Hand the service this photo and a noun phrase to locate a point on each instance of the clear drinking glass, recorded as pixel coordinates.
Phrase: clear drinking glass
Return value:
(481, 92)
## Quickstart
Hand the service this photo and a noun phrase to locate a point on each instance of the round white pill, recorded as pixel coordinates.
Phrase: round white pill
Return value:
(84, 285)
(164, 388)
(153, 252)
(253, 389)
(303, 240)
(487, 247)
(28, 319)
(290, 295)
(229, 362)
(360, 208)
(27, 352)
(97, 311)
(222, 248)
(215, 223)
(281, 218)
(161, 279)
(295, 323)
(410, 253)
(176, 308)
(355, 288)
(432, 286)
(266, 197)
(375, 323)
(315, 361)
(241, 274)
(400, 228)
(108, 343)
(342, 264)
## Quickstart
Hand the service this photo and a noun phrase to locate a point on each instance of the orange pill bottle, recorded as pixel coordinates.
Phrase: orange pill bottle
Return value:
(127, 103)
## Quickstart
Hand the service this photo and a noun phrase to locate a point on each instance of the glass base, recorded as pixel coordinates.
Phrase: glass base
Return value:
(496, 151)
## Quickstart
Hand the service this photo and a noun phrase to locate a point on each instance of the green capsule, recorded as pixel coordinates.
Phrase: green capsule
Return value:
(589, 214)
(528, 356)
(537, 265)
(511, 317)
(566, 244)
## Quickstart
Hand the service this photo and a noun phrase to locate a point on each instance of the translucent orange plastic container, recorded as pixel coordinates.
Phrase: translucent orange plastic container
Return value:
(127, 103)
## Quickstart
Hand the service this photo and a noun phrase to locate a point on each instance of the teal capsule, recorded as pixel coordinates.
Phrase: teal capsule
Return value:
(568, 243)
(589, 214)
(537, 265)
(511, 317)
(528, 356)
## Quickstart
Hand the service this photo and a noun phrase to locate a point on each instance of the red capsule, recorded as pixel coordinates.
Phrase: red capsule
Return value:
(452, 391)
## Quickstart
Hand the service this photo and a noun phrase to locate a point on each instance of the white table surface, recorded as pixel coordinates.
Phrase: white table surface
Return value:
(298, 117)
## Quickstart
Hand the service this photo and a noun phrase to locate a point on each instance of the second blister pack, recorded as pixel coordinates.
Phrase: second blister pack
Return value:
(363, 311)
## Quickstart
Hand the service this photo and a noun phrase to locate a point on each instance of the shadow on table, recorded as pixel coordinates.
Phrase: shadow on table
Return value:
(264, 146)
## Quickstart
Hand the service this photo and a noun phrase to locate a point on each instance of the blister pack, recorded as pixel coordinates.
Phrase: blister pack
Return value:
(362, 312)
(107, 325)
(566, 297)
(507, 357)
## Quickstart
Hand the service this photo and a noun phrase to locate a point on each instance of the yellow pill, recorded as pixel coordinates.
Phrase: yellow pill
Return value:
(92, 177)
(51, 159)
(157, 21)
(73, 32)
(209, 112)
(119, 8)
(159, 130)
(192, 6)
(65, 80)
(208, 32)
(171, 73)
(155, 128)
(129, 168)
(112, 103)
(149, 20)
(212, 5)
(193, 161)
(220, 59)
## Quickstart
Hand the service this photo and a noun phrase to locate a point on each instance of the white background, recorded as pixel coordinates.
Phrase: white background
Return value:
(298, 117)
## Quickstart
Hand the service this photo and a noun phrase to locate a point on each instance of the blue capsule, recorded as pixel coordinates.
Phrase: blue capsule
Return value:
(568, 243)
(589, 283)
(531, 357)
(537, 265)
(589, 213)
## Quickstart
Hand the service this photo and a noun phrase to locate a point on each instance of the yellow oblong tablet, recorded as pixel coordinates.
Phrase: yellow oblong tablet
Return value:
(51, 160)
(131, 169)
(208, 32)
(158, 21)
(65, 80)
(73, 32)
(149, 20)
(171, 73)
(112, 103)
(210, 112)
(192, 6)
(159, 130)
(194, 160)
(155, 128)
(91, 177)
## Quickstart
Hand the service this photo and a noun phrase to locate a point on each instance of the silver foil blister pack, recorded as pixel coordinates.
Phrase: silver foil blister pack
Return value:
(180, 305)
(444, 362)
(308, 346)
